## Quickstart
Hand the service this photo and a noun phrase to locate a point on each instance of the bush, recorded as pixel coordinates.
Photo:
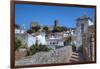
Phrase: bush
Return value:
(73, 47)
(23, 46)
(37, 48)
(17, 43)
(67, 42)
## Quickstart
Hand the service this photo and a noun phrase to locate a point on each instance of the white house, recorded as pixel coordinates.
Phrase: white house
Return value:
(55, 40)
(31, 39)
(67, 33)
(41, 39)
(71, 31)
(20, 30)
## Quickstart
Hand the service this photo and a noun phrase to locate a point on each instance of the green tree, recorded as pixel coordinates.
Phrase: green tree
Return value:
(45, 28)
(69, 39)
(56, 29)
(30, 31)
(63, 28)
(37, 28)
(59, 29)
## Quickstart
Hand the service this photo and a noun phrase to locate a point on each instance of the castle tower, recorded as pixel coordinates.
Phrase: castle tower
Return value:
(56, 23)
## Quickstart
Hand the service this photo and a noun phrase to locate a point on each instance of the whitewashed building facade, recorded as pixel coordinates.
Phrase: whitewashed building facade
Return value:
(30, 39)
(55, 40)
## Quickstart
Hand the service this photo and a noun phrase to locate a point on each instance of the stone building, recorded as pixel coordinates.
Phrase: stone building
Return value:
(85, 37)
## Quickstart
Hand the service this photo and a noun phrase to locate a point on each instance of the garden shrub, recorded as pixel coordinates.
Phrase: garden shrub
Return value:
(17, 43)
(38, 48)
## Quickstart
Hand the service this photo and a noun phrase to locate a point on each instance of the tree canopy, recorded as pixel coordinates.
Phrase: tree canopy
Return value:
(45, 28)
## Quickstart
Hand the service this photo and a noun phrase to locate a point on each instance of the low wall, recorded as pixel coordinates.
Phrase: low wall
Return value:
(60, 55)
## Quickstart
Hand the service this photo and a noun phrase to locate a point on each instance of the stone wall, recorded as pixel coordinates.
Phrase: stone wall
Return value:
(60, 55)
(20, 53)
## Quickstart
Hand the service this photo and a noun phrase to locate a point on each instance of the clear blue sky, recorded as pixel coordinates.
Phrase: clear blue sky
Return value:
(45, 15)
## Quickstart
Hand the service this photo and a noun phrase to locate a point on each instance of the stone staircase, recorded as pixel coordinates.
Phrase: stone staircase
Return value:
(74, 58)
